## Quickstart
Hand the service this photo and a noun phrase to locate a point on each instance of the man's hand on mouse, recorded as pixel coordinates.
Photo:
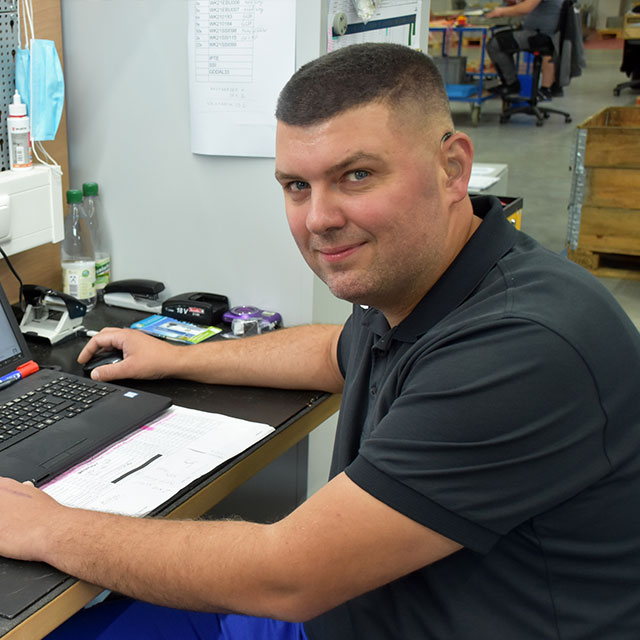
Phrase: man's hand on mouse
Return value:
(144, 356)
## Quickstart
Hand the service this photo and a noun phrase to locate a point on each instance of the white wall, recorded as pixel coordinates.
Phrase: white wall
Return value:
(195, 222)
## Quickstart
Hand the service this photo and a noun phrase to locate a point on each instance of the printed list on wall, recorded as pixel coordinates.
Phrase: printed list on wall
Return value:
(241, 53)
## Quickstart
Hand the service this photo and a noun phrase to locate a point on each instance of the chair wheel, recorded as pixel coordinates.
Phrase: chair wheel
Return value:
(539, 123)
(475, 115)
(504, 119)
(616, 92)
(546, 115)
(567, 119)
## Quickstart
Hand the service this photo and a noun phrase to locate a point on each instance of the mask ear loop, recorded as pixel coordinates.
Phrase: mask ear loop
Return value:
(52, 164)
(27, 11)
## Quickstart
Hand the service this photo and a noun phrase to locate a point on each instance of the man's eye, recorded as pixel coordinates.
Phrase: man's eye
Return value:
(297, 186)
(358, 174)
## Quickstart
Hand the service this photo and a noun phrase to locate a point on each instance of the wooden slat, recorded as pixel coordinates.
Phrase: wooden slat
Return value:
(608, 264)
(610, 230)
(613, 147)
(614, 188)
(628, 116)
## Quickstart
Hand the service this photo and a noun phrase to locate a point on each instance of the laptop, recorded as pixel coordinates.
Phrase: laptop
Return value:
(50, 420)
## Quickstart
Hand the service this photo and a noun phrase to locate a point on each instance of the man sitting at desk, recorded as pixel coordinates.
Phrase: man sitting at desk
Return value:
(486, 472)
(540, 16)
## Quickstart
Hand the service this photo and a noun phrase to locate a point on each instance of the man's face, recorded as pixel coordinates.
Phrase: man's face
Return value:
(364, 201)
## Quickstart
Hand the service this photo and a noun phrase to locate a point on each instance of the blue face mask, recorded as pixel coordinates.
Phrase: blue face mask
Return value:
(40, 83)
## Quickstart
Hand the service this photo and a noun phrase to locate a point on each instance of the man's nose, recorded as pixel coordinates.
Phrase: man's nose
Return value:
(325, 211)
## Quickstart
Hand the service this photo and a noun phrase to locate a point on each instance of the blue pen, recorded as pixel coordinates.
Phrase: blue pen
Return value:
(10, 377)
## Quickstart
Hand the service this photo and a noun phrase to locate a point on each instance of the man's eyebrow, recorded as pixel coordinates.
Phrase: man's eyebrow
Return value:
(281, 176)
(354, 159)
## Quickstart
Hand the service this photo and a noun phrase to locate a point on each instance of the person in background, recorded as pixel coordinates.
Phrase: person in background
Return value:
(485, 481)
(539, 16)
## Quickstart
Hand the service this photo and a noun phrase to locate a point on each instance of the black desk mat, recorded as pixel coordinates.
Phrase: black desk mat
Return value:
(23, 583)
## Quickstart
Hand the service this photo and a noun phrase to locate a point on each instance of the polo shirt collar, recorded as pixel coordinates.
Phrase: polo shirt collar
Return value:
(492, 240)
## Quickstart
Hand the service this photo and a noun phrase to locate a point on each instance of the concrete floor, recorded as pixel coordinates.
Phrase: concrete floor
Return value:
(539, 158)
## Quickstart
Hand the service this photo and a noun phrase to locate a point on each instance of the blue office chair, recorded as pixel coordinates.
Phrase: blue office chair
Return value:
(541, 45)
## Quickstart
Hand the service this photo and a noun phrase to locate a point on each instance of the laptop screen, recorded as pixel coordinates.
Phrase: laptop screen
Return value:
(10, 347)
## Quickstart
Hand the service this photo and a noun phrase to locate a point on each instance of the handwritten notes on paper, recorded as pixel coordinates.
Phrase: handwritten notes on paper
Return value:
(147, 468)
(241, 53)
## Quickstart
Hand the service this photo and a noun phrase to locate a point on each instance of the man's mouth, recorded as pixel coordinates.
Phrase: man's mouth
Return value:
(337, 254)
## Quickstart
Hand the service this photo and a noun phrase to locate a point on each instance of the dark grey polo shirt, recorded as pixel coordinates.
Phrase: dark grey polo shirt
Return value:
(504, 413)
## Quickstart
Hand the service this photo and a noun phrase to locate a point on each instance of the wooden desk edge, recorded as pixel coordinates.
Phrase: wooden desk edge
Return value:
(54, 613)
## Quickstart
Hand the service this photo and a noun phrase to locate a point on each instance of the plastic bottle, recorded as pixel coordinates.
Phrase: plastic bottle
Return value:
(19, 135)
(98, 235)
(77, 254)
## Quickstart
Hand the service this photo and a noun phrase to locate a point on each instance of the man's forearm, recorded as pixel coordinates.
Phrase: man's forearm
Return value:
(296, 358)
(209, 566)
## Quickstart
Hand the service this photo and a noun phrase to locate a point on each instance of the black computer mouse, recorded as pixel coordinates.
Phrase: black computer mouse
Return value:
(110, 356)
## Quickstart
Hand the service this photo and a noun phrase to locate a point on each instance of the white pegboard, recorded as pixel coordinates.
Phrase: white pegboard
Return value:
(8, 46)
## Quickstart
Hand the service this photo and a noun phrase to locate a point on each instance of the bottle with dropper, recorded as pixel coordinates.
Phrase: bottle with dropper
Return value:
(19, 131)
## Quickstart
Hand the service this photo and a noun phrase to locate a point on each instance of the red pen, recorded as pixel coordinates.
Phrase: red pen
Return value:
(22, 371)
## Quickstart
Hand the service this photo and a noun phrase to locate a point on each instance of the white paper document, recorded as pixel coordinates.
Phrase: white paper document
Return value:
(241, 53)
(144, 470)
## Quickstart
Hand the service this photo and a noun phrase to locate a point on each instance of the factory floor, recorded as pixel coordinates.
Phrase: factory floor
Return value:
(539, 159)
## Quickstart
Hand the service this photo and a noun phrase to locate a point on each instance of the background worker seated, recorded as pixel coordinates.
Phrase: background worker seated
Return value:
(540, 16)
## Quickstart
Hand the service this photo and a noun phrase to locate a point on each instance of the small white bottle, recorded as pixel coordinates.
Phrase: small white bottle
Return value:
(92, 206)
(77, 254)
(19, 135)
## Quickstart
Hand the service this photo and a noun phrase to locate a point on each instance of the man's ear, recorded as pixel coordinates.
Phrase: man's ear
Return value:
(457, 156)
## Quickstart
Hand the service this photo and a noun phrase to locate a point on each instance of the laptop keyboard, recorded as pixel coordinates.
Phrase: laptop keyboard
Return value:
(60, 399)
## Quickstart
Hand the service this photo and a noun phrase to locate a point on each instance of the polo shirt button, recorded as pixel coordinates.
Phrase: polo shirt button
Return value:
(373, 390)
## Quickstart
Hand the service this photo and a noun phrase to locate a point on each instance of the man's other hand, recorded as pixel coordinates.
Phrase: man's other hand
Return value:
(143, 356)
(23, 529)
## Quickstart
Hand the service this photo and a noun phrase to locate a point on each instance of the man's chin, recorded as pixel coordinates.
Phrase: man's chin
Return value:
(346, 286)
(351, 293)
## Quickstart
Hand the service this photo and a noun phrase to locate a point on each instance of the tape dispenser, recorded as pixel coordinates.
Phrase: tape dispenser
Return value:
(246, 320)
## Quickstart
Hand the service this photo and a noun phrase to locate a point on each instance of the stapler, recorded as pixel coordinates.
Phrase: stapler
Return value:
(51, 314)
(136, 293)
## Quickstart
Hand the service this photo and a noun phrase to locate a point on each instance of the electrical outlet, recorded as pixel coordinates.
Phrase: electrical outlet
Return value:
(5, 216)
(30, 208)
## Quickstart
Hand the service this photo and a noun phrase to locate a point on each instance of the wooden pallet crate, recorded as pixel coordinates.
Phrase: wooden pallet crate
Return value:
(609, 200)
(608, 265)
(631, 26)
(607, 34)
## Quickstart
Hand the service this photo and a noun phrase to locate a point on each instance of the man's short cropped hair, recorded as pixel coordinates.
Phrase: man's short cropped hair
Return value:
(358, 75)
